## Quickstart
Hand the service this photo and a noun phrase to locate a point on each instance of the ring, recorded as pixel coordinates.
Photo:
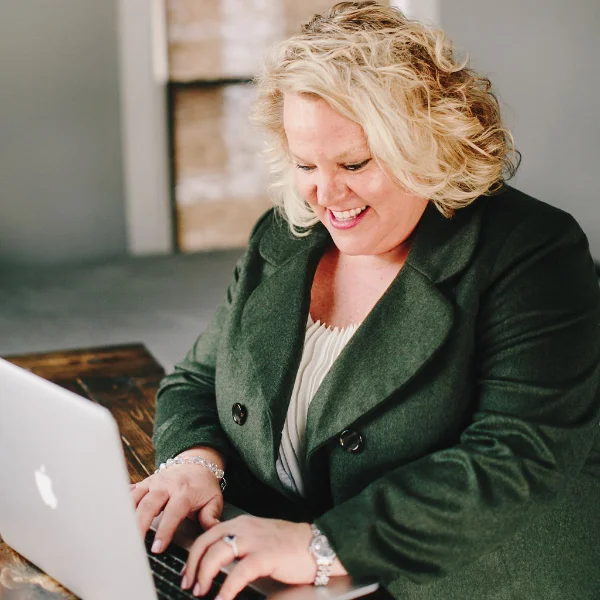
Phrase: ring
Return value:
(231, 540)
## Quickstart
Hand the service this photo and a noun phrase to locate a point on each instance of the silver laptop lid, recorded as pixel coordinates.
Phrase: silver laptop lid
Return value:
(65, 502)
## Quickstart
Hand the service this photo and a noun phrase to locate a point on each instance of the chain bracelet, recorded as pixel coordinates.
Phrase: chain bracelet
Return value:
(195, 460)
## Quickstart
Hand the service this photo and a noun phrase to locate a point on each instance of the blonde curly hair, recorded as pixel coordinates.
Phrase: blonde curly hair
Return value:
(431, 123)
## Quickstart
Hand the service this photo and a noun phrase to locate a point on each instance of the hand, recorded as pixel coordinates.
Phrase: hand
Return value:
(266, 547)
(179, 491)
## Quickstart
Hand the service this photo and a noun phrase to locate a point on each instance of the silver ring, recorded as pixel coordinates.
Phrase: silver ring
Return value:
(231, 540)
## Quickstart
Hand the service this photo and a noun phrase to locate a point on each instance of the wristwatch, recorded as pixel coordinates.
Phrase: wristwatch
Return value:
(323, 554)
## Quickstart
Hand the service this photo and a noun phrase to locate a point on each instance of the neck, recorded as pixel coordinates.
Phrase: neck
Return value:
(393, 259)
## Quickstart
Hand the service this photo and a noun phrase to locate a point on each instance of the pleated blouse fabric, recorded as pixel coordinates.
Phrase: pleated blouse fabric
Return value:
(322, 346)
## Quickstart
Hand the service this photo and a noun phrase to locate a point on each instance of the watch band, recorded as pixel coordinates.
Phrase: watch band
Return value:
(323, 554)
(322, 576)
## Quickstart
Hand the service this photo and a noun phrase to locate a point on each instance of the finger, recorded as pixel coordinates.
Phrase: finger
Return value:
(139, 491)
(175, 510)
(149, 507)
(210, 513)
(215, 533)
(216, 556)
(241, 575)
(199, 547)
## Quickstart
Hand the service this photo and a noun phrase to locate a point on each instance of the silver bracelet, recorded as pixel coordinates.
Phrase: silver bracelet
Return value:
(195, 460)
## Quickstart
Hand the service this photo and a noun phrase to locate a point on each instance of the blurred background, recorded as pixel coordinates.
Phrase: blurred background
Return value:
(129, 175)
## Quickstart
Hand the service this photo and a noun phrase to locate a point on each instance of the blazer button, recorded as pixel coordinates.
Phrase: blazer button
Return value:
(351, 441)
(239, 412)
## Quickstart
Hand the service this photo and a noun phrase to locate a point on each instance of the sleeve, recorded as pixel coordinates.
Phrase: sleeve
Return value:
(536, 417)
(186, 412)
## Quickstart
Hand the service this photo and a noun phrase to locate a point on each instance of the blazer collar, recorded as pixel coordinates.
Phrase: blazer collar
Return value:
(444, 246)
(399, 337)
(279, 245)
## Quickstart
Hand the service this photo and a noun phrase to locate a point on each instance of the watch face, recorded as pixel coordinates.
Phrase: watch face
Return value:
(321, 547)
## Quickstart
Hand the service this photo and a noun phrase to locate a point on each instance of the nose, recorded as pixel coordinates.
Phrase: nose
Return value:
(330, 190)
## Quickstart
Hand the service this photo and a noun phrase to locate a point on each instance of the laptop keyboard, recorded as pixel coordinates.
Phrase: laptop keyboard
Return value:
(166, 570)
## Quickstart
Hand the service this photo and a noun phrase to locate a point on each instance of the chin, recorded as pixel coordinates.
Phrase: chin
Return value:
(353, 248)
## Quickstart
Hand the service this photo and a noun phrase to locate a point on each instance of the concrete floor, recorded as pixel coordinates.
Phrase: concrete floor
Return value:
(164, 302)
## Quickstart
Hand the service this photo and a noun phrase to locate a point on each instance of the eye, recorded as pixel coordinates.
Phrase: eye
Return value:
(306, 168)
(357, 166)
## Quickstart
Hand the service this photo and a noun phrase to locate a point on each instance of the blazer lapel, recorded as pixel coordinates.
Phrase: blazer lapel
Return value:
(402, 333)
(273, 329)
(398, 338)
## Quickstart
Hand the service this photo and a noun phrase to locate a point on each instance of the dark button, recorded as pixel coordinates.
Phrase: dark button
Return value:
(351, 441)
(239, 412)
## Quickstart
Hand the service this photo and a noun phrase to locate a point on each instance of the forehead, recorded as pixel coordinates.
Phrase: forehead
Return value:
(311, 124)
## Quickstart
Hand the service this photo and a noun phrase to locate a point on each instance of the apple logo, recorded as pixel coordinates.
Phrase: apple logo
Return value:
(44, 486)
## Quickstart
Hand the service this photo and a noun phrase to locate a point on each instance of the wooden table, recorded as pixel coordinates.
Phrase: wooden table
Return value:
(124, 379)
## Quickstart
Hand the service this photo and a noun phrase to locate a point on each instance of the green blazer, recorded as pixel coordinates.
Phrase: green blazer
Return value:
(473, 385)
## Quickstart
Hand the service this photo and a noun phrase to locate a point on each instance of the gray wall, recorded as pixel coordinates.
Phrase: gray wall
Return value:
(61, 188)
(543, 57)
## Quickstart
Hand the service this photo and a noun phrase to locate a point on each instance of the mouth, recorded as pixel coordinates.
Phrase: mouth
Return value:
(346, 215)
(347, 218)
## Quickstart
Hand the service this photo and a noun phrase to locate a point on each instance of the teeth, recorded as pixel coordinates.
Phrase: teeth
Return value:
(347, 214)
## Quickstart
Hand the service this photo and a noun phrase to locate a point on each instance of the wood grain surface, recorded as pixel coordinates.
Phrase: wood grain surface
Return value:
(124, 379)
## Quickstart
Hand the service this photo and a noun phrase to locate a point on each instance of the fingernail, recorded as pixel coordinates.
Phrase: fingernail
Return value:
(156, 546)
(184, 582)
(218, 598)
(196, 591)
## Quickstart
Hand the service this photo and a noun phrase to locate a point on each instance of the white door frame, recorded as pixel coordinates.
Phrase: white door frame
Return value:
(144, 130)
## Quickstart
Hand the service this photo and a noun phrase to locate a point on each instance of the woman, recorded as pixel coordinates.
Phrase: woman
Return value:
(442, 326)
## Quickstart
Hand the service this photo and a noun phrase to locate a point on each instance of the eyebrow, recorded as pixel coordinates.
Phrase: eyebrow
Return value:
(341, 157)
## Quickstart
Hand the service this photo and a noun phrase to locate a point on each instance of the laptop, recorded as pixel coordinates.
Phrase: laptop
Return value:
(66, 506)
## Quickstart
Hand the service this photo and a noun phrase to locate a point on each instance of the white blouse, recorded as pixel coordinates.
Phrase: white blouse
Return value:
(322, 346)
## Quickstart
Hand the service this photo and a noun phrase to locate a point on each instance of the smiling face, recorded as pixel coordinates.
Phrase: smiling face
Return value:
(363, 210)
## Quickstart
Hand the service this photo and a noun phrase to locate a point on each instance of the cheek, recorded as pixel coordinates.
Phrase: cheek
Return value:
(372, 189)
